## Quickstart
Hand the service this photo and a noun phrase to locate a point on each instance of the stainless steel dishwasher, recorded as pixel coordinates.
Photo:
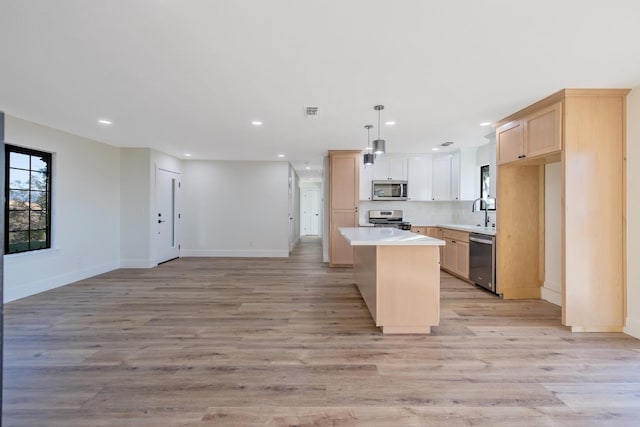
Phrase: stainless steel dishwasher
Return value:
(482, 257)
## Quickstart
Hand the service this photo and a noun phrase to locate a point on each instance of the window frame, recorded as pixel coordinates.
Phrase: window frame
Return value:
(485, 172)
(48, 157)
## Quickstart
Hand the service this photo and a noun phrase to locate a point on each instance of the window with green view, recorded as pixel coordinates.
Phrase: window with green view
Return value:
(28, 202)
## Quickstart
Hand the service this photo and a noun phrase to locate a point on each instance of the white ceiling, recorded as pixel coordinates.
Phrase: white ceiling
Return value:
(190, 76)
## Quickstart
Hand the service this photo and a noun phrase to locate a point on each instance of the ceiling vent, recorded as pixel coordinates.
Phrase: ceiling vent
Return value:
(311, 112)
(446, 144)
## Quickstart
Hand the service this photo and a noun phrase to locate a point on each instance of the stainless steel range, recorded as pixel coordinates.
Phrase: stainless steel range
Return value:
(392, 218)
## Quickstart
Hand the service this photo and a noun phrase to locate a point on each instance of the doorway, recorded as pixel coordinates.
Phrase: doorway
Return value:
(310, 224)
(166, 220)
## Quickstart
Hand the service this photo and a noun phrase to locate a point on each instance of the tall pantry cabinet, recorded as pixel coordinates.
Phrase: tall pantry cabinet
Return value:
(344, 197)
(583, 130)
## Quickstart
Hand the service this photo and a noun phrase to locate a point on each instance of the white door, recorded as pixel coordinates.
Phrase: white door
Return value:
(166, 215)
(310, 212)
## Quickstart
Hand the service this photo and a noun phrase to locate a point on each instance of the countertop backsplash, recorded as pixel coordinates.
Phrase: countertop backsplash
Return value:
(462, 214)
(430, 213)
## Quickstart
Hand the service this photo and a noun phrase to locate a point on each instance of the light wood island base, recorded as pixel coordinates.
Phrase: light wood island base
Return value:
(400, 285)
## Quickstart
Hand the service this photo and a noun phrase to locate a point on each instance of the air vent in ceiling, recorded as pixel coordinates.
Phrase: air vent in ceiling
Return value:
(446, 144)
(311, 112)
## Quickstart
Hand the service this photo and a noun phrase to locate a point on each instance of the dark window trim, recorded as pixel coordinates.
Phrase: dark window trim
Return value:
(31, 152)
(484, 196)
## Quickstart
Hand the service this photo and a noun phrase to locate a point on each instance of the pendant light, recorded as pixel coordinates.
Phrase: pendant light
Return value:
(368, 156)
(378, 144)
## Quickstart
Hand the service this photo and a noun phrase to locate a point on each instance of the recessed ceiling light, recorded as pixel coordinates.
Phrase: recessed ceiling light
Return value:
(485, 124)
(281, 155)
(308, 168)
(256, 123)
(187, 154)
(390, 123)
(435, 149)
(105, 122)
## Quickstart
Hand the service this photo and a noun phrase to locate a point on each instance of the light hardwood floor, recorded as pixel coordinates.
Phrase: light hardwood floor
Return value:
(220, 342)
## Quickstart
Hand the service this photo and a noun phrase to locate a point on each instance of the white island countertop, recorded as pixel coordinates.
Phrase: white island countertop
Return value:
(376, 236)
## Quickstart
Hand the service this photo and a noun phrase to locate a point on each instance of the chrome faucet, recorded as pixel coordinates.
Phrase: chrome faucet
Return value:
(486, 209)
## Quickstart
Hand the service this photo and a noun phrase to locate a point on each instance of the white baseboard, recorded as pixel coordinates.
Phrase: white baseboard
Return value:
(137, 263)
(632, 327)
(551, 295)
(22, 290)
(270, 253)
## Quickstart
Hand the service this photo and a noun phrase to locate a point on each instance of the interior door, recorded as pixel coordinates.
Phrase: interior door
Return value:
(167, 186)
(310, 212)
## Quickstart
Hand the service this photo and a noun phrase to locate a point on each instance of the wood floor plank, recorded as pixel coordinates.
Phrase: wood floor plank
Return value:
(289, 341)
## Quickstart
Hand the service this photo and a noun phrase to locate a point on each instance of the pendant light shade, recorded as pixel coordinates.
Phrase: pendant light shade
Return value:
(379, 144)
(368, 157)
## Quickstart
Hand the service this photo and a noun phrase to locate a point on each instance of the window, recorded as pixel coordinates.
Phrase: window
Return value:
(28, 202)
(485, 185)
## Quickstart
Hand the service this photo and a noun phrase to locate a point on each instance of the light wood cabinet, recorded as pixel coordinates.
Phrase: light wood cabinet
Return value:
(509, 142)
(462, 259)
(400, 286)
(584, 130)
(433, 232)
(537, 134)
(543, 131)
(455, 256)
(344, 196)
(426, 231)
(419, 230)
(366, 176)
(449, 255)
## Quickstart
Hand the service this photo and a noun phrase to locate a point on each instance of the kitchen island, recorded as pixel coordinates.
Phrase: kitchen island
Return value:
(398, 275)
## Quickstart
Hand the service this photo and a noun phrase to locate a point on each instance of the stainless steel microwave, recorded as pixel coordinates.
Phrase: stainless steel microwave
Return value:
(389, 190)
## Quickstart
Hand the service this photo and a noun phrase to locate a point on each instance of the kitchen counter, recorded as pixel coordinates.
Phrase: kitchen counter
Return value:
(489, 231)
(374, 236)
(398, 275)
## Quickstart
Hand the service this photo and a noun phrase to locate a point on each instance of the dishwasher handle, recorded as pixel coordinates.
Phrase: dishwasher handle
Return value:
(481, 240)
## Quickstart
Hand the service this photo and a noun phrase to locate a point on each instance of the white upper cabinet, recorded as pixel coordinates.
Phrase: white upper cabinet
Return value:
(454, 175)
(419, 177)
(468, 174)
(441, 182)
(366, 175)
(390, 168)
(445, 176)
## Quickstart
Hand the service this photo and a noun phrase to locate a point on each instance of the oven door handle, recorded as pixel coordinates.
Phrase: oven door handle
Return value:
(478, 240)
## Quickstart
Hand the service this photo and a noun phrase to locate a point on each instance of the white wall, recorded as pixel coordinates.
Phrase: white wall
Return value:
(633, 213)
(86, 212)
(138, 204)
(135, 208)
(552, 289)
(294, 208)
(234, 208)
